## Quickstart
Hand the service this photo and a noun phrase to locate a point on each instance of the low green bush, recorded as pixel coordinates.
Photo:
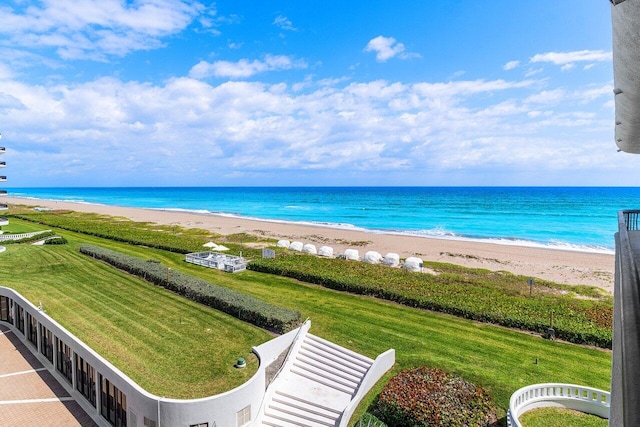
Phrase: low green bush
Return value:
(430, 397)
(58, 240)
(481, 295)
(242, 306)
(169, 238)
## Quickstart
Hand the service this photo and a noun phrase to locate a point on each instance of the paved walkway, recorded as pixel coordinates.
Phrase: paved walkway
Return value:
(29, 394)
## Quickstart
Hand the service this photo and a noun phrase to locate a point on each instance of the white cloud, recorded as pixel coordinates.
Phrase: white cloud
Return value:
(387, 48)
(284, 23)
(187, 131)
(245, 68)
(567, 59)
(94, 29)
(511, 65)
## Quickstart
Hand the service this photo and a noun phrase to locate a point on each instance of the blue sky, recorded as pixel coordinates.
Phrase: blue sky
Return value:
(188, 93)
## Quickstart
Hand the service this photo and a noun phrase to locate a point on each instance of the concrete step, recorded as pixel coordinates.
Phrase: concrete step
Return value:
(338, 371)
(338, 368)
(352, 354)
(319, 379)
(322, 353)
(327, 375)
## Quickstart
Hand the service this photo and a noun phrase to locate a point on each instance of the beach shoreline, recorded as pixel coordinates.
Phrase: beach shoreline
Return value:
(562, 266)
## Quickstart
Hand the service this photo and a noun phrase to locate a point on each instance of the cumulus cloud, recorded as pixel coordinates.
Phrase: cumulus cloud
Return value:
(245, 68)
(387, 48)
(89, 29)
(185, 128)
(567, 59)
(511, 65)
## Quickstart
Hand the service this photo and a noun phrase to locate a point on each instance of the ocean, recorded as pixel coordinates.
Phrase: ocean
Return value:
(572, 218)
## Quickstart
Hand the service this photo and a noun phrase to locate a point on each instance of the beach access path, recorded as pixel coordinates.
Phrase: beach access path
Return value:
(562, 266)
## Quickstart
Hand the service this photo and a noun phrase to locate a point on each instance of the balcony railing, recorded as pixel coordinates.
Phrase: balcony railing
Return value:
(625, 389)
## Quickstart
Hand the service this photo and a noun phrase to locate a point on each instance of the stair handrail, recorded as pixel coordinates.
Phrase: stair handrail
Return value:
(286, 359)
(378, 368)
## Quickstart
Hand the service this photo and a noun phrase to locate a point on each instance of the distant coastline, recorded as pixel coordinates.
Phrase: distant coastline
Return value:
(566, 218)
(562, 266)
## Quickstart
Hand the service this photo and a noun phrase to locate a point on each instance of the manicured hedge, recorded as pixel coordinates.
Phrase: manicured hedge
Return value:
(481, 295)
(173, 239)
(432, 398)
(237, 304)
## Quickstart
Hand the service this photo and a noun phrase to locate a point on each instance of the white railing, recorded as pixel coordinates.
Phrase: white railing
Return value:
(380, 366)
(21, 235)
(584, 399)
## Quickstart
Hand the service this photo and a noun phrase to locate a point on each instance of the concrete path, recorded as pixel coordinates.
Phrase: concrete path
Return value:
(29, 394)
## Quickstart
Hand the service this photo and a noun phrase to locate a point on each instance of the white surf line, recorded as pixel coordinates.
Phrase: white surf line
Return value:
(49, 400)
(22, 372)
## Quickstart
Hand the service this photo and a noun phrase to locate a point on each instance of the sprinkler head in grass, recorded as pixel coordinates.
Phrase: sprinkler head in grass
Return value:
(241, 363)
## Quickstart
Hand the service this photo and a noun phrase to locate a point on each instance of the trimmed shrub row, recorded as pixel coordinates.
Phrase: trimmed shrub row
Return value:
(475, 294)
(242, 306)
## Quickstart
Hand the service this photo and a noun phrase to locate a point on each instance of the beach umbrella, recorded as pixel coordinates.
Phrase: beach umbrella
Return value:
(296, 246)
(352, 254)
(221, 248)
(209, 245)
(412, 264)
(372, 257)
(326, 251)
(309, 249)
(391, 259)
(283, 244)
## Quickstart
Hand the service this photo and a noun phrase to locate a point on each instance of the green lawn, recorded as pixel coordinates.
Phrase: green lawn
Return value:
(556, 417)
(499, 359)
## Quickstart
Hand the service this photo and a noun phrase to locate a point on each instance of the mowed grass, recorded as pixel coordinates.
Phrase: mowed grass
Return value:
(559, 417)
(499, 359)
(172, 347)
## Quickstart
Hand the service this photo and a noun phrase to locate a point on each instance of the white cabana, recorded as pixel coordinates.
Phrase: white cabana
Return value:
(391, 260)
(296, 246)
(413, 264)
(372, 257)
(352, 254)
(283, 244)
(309, 249)
(221, 248)
(326, 251)
(209, 245)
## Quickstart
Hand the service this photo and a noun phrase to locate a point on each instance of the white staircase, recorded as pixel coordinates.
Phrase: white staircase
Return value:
(315, 385)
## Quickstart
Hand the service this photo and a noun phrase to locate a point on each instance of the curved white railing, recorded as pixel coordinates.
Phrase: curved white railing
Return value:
(584, 399)
(22, 235)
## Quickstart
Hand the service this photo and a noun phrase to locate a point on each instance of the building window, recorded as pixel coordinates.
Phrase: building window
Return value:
(113, 404)
(200, 425)
(149, 423)
(243, 416)
(20, 318)
(63, 362)
(86, 380)
(32, 330)
(6, 309)
(46, 343)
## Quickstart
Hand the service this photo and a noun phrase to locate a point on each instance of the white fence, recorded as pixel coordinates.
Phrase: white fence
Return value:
(5, 237)
(584, 399)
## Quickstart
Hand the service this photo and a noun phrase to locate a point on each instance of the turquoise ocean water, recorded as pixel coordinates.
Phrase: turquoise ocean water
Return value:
(577, 218)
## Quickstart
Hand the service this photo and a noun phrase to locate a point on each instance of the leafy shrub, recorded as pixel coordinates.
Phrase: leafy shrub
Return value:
(237, 304)
(430, 397)
(481, 295)
(58, 240)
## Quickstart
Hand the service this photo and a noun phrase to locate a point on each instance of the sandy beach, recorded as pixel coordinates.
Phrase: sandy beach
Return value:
(570, 267)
